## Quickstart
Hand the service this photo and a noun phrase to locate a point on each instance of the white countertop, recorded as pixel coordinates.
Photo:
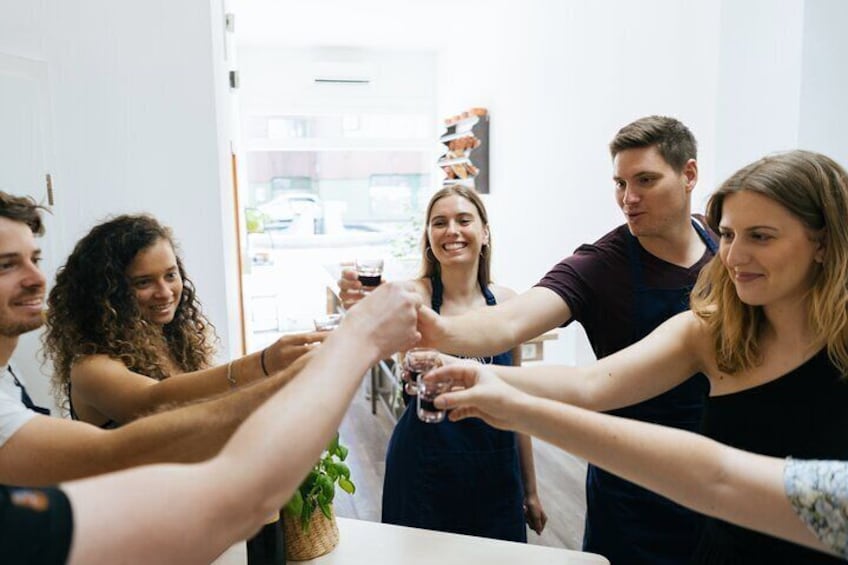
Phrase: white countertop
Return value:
(372, 543)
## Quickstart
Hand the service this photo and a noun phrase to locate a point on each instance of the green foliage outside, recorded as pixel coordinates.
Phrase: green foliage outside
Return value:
(254, 220)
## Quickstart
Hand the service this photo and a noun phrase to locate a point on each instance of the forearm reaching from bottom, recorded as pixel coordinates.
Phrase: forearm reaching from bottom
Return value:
(711, 478)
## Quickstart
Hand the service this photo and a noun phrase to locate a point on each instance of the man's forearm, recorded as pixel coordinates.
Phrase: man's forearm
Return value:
(474, 334)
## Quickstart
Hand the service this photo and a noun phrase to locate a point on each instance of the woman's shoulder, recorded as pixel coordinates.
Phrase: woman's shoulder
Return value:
(85, 364)
(424, 288)
(502, 293)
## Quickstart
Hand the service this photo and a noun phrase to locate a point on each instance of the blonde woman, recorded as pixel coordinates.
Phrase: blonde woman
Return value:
(768, 326)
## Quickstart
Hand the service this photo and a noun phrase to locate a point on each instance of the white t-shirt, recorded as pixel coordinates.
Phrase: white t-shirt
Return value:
(13, 413)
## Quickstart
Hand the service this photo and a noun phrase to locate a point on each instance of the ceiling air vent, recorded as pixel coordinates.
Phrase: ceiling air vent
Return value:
(342, 72)
(342, 81)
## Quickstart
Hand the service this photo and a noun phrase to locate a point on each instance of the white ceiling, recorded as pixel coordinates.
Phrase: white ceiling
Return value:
(386, 24)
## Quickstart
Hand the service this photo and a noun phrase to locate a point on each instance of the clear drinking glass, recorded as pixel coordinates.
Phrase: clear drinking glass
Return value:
(370, 273)
(427, 393)
(328, 323)
(416, 361)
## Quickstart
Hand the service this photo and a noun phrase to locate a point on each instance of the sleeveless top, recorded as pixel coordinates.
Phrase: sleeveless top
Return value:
(109, 424)
(804, 415)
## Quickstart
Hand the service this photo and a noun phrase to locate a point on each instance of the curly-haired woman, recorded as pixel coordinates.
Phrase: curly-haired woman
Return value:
(126, 332)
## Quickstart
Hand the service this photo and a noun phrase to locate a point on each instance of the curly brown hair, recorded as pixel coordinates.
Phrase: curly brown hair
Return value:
(92, 308)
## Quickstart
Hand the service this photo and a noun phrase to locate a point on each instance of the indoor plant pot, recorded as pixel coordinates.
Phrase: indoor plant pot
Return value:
(308, 519)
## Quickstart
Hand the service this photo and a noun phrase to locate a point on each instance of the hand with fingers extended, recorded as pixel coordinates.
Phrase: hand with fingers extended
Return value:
(388, 317)
(481, 394)
(283, 352)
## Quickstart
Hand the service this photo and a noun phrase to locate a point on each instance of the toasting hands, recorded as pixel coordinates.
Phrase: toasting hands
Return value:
(478, 393)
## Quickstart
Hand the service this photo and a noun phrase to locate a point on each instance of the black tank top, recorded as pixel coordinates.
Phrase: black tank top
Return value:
(803, 414)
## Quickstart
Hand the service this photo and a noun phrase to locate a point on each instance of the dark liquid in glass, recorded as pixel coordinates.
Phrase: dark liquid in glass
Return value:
(428, 405)
(412, 376)
(370, 280)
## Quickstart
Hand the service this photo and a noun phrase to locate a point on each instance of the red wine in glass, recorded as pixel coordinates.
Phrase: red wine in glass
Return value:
(370, 280)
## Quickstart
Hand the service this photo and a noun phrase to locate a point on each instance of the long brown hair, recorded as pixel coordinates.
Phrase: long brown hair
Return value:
(429, 264)
(814, 188)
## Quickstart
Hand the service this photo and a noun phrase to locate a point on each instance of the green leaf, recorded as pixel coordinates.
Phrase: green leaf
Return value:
(328, 491)
(341, 470)
(331, 470)
(294, 506)
(334, 445)
(309, 482)
(325, 508)
(347, 486)
(342, 452)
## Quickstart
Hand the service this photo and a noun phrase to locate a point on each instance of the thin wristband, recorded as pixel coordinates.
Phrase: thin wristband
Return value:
(230, 378)
(262, 361)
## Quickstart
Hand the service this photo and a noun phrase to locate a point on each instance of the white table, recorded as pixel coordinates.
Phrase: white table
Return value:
(372, 543)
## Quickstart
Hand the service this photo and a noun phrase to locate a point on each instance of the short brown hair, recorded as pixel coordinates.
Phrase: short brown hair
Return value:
(22, 209)
(674, 141)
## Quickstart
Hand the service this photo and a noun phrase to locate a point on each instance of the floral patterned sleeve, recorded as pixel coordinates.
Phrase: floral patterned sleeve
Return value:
(818, 491)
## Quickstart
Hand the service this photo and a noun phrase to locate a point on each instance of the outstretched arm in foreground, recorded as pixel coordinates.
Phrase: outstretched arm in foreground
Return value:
(49, 450)
(492, 329)
(191, 513)
(711, 478)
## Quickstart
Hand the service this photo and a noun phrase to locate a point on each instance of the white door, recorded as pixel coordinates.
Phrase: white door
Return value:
(24, 150)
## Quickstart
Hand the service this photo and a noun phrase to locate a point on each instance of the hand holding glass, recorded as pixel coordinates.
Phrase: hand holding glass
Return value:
(427, 393)
(369, 272)
(416, 361)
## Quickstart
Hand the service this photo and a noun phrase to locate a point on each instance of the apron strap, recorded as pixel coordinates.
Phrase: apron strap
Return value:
(25, 397)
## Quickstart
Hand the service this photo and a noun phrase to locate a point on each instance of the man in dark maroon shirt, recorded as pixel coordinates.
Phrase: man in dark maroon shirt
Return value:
(619, 288)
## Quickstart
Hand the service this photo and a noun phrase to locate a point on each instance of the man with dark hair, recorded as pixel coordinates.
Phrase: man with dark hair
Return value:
(619, 288)
(38, 450)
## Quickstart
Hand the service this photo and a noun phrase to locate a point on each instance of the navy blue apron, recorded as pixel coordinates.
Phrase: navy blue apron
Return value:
(624, 522)
(460, 477)
(25, 397)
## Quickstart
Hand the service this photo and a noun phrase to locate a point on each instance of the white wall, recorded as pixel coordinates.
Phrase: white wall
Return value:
(136, 92)
(824, 82)
(282, 80)
(759, 82)
(559, 79)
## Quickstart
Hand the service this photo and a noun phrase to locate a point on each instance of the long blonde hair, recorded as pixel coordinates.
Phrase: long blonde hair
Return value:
(814, 188)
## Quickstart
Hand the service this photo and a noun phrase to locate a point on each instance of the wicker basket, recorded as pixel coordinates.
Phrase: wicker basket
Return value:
(322, 537)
